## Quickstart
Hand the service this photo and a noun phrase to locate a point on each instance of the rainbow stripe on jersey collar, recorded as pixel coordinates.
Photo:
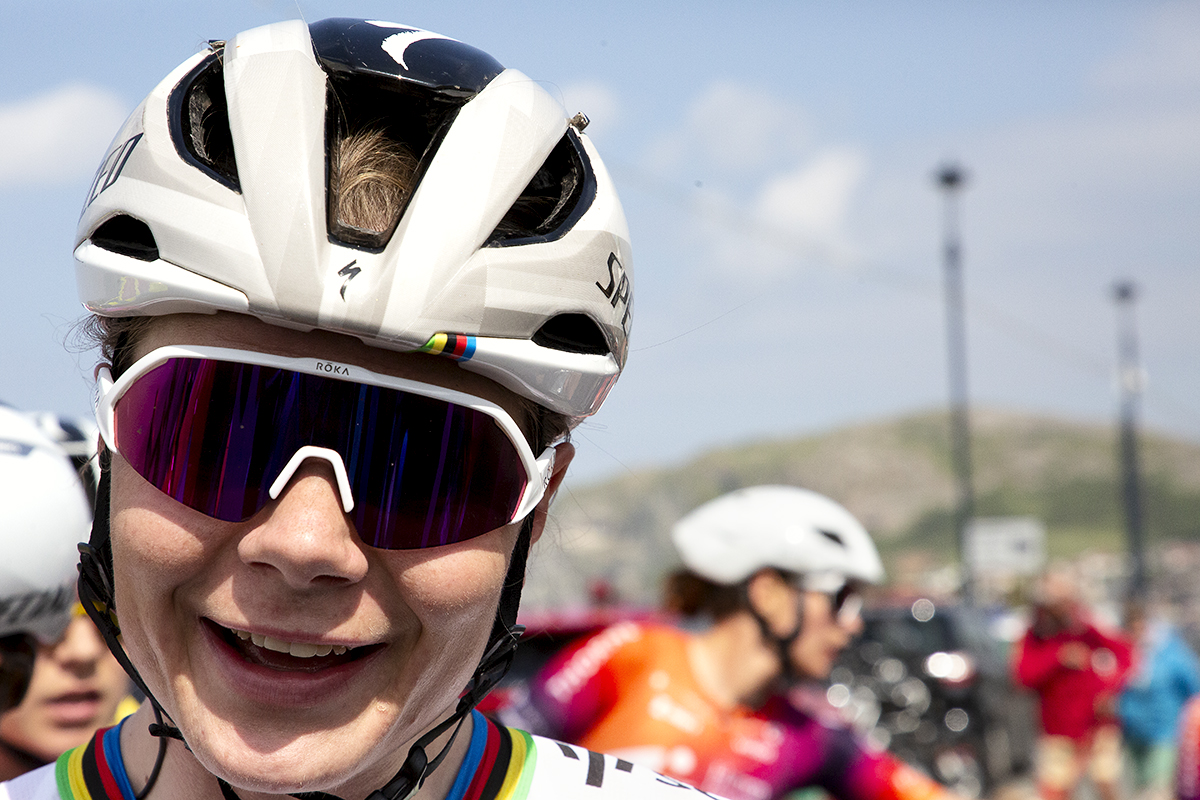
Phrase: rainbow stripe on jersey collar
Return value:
(499, 765)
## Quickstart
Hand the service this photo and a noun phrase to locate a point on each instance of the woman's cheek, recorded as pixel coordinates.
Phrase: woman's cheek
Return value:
(446, 585)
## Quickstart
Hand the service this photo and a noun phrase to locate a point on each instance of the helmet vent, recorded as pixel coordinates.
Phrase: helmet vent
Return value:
(833, 537)
(381, 135)
(370, 180)
(560, 191)
(200, 121)
(128, 236)
(572, 333)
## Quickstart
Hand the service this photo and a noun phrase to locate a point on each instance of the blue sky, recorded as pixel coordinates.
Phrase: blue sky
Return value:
(775, 163)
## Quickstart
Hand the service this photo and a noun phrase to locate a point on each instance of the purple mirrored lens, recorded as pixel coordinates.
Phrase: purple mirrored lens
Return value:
(214, 435)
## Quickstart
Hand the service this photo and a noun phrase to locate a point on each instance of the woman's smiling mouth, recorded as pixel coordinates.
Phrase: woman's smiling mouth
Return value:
(279, 654)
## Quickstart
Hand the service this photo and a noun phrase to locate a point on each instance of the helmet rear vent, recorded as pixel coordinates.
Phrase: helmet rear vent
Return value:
(200, 121)
(572, 333)
(833, 537)
(128, 236)
(560, 191)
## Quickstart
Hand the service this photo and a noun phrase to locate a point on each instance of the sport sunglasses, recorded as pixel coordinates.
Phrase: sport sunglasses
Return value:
(846, 604)
(222, 431)
(845, 596)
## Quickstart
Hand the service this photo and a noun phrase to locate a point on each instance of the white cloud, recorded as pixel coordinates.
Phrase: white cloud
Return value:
(767, 197)
(59, 135)
(737, 126)
(812, 199)
(596, 100)
(796, 217)
(1106, 183)
(1164, 56)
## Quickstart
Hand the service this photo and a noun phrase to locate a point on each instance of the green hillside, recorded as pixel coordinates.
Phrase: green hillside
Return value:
(895, 476)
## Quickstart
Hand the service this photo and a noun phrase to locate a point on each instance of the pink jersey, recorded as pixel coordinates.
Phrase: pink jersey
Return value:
(630, 691)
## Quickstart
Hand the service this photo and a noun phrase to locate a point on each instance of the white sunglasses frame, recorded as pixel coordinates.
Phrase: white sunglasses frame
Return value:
(831, 584)
(538, 471)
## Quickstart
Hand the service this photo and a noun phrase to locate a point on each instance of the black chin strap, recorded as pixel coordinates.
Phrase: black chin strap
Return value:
(782, 644)
(96, 595)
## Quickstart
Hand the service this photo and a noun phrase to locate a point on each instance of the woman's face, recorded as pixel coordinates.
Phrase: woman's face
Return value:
(206, 606)
(75, 689)
(823, 635)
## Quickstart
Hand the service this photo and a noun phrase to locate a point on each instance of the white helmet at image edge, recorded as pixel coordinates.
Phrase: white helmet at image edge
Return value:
(510, 254)
(729, 539)
(43, 516)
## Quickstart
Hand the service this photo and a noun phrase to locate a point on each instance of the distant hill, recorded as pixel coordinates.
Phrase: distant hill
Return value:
(894, 475)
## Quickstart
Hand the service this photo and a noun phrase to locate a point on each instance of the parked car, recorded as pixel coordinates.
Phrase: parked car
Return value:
(929, 683)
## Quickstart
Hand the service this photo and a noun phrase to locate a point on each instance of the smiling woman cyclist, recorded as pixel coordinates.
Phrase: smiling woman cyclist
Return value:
(352, 281)
(775, 572)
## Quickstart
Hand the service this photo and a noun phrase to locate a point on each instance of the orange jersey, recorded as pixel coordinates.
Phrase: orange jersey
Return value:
(630, 691)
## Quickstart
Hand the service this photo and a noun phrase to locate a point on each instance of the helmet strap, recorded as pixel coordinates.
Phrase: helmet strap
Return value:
(781, 644)
(96, 596)
(493, 666)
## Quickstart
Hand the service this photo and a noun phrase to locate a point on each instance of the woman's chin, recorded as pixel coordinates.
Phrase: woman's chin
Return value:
(302, 767)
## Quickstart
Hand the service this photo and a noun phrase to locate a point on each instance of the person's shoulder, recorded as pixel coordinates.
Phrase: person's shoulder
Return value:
(40, 784)
(567, 771)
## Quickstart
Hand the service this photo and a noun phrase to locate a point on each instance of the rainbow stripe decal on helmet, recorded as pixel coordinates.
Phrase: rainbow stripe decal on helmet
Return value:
(458, 346)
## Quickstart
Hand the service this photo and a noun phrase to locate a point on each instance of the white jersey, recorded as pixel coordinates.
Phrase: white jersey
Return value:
(501, 764)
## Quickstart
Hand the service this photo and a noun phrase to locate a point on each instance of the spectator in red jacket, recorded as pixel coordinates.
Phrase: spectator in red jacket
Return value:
(1076, 669)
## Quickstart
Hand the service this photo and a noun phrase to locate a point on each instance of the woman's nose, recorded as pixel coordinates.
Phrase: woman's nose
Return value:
(306, 535)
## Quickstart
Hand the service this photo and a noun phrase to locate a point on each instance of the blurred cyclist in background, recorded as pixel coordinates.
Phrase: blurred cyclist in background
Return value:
(1077, 669)
(777, 571)
(60, 683)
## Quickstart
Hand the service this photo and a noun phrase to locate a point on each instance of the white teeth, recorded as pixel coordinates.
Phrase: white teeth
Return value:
(297, 649)
(301, 650)
(278, 645)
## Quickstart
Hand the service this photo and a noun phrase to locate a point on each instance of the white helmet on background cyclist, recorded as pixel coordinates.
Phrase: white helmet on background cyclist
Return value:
(787, 528)
(45, 514)
(78, 437)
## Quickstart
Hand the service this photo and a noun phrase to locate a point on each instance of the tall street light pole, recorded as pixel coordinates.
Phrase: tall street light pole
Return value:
(1129, 381)
(950, 179)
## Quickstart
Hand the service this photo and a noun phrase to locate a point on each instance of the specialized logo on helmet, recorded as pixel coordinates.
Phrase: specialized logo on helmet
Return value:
(617, 290)
(110, 168)
(398, 43)
(349, 272)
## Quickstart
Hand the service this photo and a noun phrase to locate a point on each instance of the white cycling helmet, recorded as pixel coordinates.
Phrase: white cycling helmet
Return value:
(728, 539)
(214, 197)
(79, 438)
(43, 517)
